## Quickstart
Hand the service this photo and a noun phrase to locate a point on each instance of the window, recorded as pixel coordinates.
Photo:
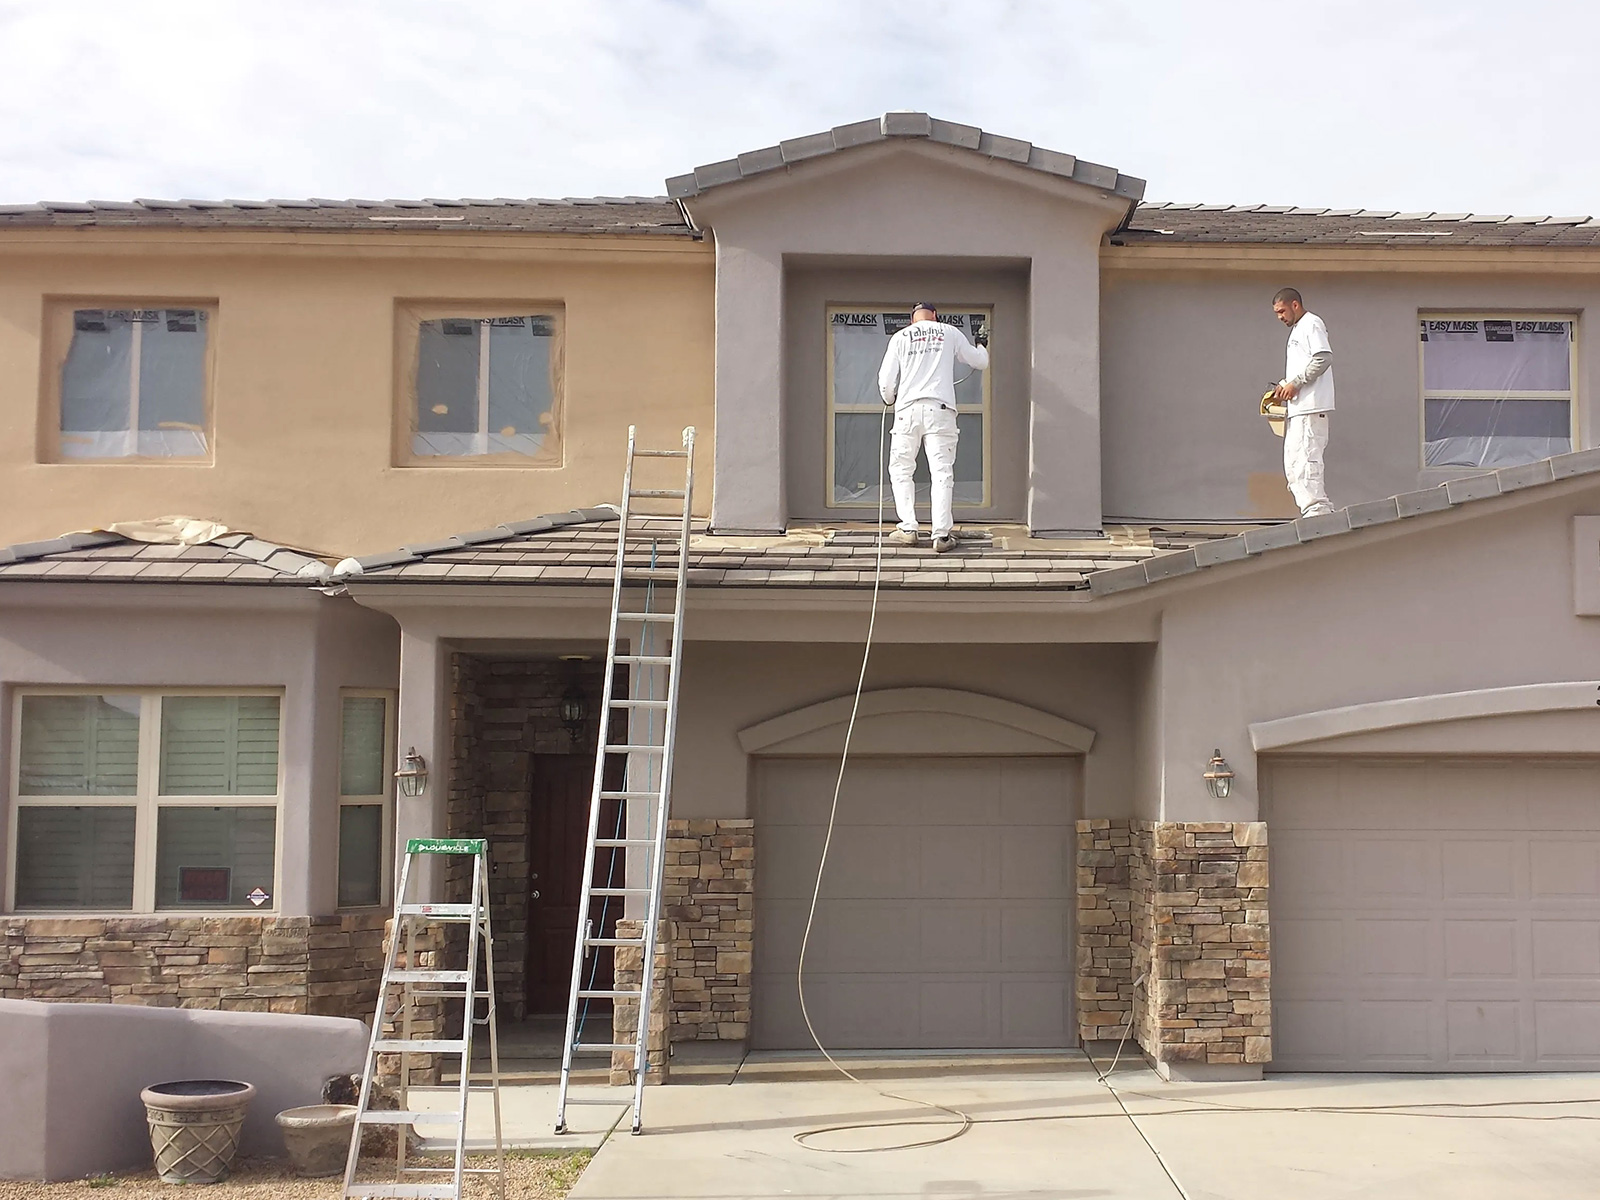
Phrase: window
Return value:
(142, 802)
(366, 750)
(857, 338)
(130, 383)
(1496, 391)
(480, 387)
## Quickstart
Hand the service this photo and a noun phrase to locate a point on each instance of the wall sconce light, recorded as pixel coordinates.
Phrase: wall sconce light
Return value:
(1218, 776)
(574, 711)
(413, 773)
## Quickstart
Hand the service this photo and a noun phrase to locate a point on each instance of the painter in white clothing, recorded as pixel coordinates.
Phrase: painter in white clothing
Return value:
(1307, 392)
(918, 378)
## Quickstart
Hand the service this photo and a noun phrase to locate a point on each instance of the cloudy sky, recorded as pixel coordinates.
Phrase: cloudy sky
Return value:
(1464, 106)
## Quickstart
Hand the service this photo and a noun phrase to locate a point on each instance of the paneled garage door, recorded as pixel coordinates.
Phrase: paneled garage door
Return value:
(945, 919)
(1435, 915)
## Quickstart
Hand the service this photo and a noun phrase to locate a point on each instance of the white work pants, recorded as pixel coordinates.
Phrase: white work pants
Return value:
(1304, 441)
(931, 426)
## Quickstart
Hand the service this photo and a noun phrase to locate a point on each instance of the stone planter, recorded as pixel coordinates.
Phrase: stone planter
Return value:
(194, 1127)
(317, 1137)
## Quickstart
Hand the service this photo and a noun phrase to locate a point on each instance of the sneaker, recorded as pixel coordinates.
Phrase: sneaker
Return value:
(945, 544)
(904, 537)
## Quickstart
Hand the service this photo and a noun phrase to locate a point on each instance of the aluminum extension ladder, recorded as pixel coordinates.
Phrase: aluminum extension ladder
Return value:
(652, 729)
(434, 984)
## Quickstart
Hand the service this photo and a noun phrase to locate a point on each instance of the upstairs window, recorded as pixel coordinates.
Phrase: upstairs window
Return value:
(131, 383)
(1496, 391)
(857, 339)
(481, 387)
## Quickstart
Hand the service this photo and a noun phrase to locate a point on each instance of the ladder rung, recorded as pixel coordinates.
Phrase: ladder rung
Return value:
(637, 703)
(619, 891)
(421, 1046)
(592, 1100)
(606, 994)
(627, 616)
(632, 572)
(629, 795)
(633, 748)
(661, 454)
(411, 975)
(596, 1047)
(389, 1116)
(438, 912)
(657, 493)
(605, 941)
(618, 843)
(660, 660)
(446, 1191)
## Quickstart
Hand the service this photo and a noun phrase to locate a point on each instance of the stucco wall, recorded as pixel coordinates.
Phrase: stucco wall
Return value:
(1186, 355)
(305, 382)
(809, 290)
(156, 637)
(1479, 601)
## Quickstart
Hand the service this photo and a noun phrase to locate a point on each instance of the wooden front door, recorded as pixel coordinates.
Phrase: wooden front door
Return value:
(558, 823)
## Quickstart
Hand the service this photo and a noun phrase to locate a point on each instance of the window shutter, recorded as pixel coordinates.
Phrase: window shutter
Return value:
(219, 745)
(361, 765)
(79, 746)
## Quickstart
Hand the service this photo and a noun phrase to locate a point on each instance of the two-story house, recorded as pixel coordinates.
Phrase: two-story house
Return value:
(200, 723)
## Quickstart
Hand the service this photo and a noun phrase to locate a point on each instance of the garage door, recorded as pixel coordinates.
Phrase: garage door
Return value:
(945, 919)
(1435, 915)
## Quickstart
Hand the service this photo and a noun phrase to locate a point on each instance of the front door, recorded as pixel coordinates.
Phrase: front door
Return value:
(558, 823)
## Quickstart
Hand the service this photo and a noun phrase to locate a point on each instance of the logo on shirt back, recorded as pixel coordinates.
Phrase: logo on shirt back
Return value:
(926, 338)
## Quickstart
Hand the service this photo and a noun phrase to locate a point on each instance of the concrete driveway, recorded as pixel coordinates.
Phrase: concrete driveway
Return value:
(1048, 1128)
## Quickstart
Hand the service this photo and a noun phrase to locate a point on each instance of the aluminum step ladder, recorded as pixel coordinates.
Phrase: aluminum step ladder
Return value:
(417, 984)
(651, 548)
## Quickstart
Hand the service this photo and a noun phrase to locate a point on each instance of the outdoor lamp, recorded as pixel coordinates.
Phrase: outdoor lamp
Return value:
(413, 773)
(574, 710)
(1218, 777)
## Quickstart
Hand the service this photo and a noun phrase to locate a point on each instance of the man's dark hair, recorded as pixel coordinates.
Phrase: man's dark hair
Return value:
(1288, 296)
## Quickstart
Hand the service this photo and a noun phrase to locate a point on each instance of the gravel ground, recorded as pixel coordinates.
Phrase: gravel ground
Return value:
(528, 1177)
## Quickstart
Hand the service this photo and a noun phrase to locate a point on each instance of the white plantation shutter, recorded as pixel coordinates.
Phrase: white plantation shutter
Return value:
(79, 746)
(75, 857)
(219, 745)
(361, 738)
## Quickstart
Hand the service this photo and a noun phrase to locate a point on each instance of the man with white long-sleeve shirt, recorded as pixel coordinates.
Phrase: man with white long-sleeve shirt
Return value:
(1307, 393)
(918, 378)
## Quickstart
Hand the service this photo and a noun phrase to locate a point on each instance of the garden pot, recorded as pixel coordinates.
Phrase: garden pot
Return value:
(194, 1127)
(317, 1137)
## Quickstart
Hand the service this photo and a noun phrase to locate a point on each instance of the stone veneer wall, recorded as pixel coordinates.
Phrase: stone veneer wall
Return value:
(1185, 905)
(325, 966)
(709, 896)
(503, 713)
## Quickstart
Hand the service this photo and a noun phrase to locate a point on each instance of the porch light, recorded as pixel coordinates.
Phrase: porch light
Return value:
(1218, 776)
(574, 710)
(413, 773)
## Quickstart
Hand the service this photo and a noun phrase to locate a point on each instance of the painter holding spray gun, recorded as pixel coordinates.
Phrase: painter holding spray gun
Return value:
(1297, 406)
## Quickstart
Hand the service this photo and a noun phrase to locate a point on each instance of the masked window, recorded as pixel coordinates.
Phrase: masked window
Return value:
(1496, 391)
(483, 387)
(857, 339)
(132, 384)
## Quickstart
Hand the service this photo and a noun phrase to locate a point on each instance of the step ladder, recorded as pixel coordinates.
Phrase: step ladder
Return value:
(646, 640)
(415, 984)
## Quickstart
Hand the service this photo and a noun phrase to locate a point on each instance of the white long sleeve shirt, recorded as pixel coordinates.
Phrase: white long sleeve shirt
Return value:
(1309, 363)
(920, 363)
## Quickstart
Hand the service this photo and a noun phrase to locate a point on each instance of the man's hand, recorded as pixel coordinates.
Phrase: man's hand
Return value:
(1285, 392)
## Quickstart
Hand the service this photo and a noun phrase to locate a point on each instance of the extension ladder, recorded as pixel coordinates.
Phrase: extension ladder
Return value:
(652, 721)
(420, 984)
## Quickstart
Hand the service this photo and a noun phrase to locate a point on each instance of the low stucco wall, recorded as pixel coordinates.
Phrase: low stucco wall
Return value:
(73, 1073)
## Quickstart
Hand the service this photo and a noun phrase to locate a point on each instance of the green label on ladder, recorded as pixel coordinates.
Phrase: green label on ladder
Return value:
(446, 846)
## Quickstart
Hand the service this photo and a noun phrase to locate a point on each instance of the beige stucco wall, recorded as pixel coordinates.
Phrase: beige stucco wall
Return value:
(304, 397)
(1185, 355)
(154, 637)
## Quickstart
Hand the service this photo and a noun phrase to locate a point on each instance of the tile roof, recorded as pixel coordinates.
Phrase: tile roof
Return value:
(647, 215)
(110, 557)
(903, 125)
(1263, 224)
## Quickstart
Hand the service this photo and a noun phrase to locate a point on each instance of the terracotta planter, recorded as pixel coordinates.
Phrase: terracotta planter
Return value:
(194, 1127)
(317, 1137)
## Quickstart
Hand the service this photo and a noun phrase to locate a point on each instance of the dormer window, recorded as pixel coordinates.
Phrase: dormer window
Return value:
(857, 339)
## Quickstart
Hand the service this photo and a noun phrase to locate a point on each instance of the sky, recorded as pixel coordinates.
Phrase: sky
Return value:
(1469, 106)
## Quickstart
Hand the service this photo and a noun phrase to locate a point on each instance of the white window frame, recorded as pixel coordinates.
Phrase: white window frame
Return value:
(986, 408)
(1424, 394)
(386, 798)
(205, 314)
(146, 801)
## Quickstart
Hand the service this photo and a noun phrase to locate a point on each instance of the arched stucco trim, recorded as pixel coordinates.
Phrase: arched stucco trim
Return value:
(953, 722)
(1423, 710)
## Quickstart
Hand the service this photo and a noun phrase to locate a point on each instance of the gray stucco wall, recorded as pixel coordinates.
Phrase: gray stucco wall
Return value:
(909, 201)
(153, 637)
(809, 288)
(1185, 356)
(1479, 601)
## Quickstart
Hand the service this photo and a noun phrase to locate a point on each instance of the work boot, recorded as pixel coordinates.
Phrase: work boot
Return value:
(945, 544)
(904, 537)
